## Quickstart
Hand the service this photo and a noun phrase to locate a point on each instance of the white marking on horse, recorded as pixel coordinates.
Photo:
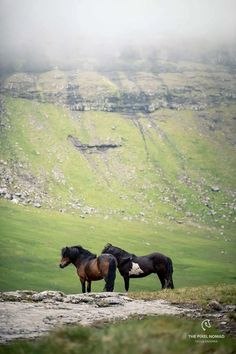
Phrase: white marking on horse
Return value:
(135, 270)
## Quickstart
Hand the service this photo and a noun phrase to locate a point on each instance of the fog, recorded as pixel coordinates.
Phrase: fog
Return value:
(55, 31)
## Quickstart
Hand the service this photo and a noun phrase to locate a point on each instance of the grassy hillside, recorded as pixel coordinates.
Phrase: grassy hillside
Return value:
(168, 161)
(167, 186)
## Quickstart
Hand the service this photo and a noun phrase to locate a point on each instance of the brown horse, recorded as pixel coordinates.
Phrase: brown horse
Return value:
(90, 267)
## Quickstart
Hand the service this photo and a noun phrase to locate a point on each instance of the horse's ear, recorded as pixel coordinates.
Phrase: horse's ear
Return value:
(66, 249)
(107, 245)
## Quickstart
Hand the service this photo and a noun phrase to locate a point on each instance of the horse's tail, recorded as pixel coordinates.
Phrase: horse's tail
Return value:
(170, 271)
(111, 276)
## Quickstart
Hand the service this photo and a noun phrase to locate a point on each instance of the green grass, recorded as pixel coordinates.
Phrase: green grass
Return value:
(162, 335)
(225, 294)
(31, 240)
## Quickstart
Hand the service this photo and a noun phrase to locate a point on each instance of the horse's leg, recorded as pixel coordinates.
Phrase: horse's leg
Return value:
(89, 286)
(83, 288)
(126, 280)
(83, 285)
(105, 286)
(162, 280)
(110, 274)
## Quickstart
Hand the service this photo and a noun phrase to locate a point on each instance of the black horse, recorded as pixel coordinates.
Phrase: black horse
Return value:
(131, 266)
(90, 267)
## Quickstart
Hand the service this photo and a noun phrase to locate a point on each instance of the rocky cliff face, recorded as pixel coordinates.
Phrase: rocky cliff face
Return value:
(177, 86)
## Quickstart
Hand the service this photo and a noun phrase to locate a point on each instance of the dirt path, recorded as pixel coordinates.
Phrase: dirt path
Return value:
(26, 314)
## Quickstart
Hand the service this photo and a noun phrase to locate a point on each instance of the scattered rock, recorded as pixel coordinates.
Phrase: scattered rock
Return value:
(230, 308)
(3, 191)
(215, 305)
(15, 200)
(62, 210)
(18, 184)
(48, 295)
(215, 189)
(18, 194)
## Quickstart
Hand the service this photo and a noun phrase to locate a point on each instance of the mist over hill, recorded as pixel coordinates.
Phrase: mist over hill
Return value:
(39, 35)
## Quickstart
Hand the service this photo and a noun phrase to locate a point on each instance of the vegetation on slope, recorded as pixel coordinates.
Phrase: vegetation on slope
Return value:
(165, 167)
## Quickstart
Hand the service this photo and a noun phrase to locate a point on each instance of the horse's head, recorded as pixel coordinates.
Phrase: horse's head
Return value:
(107, 248)
(120, 254)
(66, 257)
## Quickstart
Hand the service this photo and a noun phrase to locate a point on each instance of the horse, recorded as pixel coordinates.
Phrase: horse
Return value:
(90, 267)
(132, 266)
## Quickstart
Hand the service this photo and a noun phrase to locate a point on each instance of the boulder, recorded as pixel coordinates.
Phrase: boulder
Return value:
(215, 189)
(48, 295)
(215, 305)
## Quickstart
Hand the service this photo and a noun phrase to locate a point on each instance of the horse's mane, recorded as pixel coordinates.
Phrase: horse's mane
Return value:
(76, 251)
(120, 250)
(85, 252)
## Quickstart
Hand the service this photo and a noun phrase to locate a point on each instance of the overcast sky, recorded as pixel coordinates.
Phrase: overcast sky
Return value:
(60, 24)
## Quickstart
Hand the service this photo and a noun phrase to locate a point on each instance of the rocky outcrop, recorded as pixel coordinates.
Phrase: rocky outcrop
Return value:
(91, 148)
(44, 311)
(125, 91)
